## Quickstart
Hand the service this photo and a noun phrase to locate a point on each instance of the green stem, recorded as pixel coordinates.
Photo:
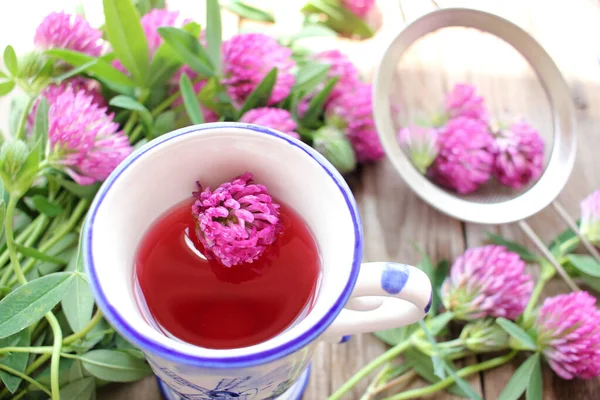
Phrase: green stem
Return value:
(39, 329)
(86, 329)
(166, 103)
(547, 272)
(56, 330)
(26, 378)
(33, 350)
(79, 210)
(404, 378)
(387, 356)
(10, 240)
(462, 373)
(133, 117)
(371, 389)
(428, 348)
(71, 356)
(55, 360)
(22, 237)
(135, 134)
(452, 343)
(25, 234)
(41, 360)
(21, 394)
(37, 363)
(21, 127)
(535, 294)
(568, 243)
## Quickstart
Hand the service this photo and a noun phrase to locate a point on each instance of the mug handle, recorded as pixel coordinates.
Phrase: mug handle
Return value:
(386, 295)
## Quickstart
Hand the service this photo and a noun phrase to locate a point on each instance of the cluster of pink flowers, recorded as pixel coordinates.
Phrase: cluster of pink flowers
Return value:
(466, 152)
(246, 60)
(84, 141)
(237, 221)
(349, 106)
(490, 281)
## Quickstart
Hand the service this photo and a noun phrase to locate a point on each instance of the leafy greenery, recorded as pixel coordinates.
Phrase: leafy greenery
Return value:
(338, 18)
(521, 250)
(521, 379)
(248, 11)
(524, 341)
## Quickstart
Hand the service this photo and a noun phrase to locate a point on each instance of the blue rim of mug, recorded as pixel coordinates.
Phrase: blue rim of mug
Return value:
(261, 357)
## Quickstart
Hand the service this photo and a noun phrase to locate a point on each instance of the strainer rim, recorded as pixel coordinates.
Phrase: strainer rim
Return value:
(562, 157)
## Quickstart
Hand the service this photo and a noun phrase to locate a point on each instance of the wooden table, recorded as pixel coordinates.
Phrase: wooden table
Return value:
(394, 218)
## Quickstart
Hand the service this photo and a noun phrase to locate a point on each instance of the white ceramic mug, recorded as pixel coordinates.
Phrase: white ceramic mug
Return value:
(350, 298)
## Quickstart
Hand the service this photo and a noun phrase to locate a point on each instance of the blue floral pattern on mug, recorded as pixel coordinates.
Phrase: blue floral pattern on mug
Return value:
(269, 386)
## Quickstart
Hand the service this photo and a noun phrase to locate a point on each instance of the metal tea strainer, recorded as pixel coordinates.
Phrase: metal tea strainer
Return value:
(488, 208)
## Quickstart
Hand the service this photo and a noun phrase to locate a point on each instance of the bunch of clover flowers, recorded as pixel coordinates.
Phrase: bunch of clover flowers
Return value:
(463, 150)
(490, 296)
(246, 72)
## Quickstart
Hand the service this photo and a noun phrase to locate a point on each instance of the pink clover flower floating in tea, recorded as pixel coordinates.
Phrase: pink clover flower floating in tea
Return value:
(487, 281)
(568, 332)
(237, 221)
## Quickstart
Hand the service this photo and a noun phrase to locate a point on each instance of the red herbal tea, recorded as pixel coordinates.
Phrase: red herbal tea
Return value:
(207, 304)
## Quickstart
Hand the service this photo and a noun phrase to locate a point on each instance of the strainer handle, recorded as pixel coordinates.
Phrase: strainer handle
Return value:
(542, 247)
(564, 215)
